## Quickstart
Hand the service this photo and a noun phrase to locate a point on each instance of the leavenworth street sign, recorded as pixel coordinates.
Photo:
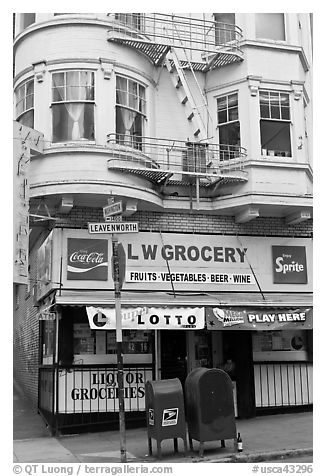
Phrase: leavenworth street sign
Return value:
(111, 227)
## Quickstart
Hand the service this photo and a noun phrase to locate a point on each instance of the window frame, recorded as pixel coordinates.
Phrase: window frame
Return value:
(64, 87)
(138, 98)
(260, 38)
(276, 120)
(24, 85)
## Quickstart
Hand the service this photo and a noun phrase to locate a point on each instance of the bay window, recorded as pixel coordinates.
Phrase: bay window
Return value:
(130, 112)
(275, 133)
(25, 103)
(228, 125)
(73, 106)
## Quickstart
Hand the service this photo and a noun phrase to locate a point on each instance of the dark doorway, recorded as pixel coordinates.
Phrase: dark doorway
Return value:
(237, 356)
(173, 355)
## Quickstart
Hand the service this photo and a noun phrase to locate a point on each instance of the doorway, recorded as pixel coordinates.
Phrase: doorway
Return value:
(173, 355)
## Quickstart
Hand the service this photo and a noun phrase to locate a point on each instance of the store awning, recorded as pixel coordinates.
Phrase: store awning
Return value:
(67, 297)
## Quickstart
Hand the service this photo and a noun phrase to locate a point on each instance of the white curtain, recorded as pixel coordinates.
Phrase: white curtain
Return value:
(75, 90)
(128, 116)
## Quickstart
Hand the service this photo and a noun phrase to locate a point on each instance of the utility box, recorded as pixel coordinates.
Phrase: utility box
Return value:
(209, 407)
(165, 412)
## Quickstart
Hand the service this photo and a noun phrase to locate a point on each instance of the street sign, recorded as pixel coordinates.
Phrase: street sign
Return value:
(46, 316)
(113, 209)
(110, 227)
(114, 218)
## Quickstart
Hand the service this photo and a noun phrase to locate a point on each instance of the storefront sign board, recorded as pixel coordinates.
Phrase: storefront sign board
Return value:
(101, 318)
(289, 264)
(87, 259)
(96, 390)
(258, 319)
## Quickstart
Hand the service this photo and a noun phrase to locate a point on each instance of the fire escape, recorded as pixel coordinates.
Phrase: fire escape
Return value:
(185, 46)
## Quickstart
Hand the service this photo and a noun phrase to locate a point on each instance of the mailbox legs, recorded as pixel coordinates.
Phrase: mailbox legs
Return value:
(201, 449)
(150, 449)
(175, 444)
(190, 444)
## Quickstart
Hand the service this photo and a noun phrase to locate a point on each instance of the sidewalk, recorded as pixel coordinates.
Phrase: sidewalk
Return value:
(265, 438)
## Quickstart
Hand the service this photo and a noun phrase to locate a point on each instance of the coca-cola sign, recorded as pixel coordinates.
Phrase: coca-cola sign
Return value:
(87, 259)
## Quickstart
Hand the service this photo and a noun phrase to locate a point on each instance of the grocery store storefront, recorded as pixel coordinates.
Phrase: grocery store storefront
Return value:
(241, 304)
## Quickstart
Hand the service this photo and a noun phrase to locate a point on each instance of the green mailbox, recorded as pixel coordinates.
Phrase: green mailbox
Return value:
(165, 413)
(209, 407)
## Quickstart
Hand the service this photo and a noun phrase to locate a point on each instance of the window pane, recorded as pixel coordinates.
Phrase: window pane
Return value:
(27, 119)
(285, 99)
(73, 90)
(122, 95)
(29, 101)
(221, 103)
(275, 112)
(264, 111)
(72, 122)
(275, 138)
(233, 114)
(232, 100)
(270, 26)
(58, 91)
(230, 134)
(222, 116)
(285, 111)
(28, 19)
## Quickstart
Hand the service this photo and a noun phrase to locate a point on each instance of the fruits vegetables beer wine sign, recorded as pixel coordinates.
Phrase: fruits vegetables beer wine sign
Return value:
(87, 259)
(289, 264)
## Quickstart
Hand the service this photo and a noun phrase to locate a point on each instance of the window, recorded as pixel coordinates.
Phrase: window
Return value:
(134, 20)
(270, 26)
(275, 123)
(25, 103)
(228, 126)
(73, 106)
(130, 112)
(225, 27)
(27, 19)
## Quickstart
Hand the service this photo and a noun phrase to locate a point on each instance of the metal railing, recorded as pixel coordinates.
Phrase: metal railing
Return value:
(283, 384)
(178, 31)
(197, 158)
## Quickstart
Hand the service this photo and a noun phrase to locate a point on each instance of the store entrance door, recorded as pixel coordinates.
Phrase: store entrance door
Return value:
(174, 355)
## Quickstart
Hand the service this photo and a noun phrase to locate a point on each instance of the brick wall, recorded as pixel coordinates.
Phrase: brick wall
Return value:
(193, 223)
(26, 335)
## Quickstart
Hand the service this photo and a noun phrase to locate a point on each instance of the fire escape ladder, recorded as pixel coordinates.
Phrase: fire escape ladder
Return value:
(180, 82)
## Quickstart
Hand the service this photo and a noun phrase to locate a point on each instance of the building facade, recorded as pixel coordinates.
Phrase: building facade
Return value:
(198, 128)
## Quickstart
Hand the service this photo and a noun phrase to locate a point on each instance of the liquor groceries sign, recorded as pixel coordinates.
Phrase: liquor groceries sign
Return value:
(96, 390)
(101, 318)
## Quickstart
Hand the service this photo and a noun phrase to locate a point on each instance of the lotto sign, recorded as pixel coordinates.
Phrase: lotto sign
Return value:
(170, 416)
(289, 264)
(104, 318)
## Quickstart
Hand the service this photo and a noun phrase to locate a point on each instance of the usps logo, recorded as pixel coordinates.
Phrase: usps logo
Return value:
(170, 416)
(151, 416)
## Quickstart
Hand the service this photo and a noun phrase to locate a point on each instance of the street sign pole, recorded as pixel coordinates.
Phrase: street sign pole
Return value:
(117, 299)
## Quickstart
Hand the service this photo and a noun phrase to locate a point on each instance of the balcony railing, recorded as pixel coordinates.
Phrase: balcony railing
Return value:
(154, 34)
(167, 159)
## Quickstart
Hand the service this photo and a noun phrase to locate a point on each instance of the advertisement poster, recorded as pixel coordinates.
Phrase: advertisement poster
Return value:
(289, 264)
(87, 259)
